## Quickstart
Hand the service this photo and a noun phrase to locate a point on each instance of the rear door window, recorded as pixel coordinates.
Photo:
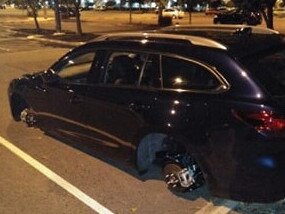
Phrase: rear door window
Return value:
(179, 73)
(124, 68)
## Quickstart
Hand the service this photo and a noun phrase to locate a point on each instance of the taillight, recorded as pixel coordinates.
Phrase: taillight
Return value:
(263, 121)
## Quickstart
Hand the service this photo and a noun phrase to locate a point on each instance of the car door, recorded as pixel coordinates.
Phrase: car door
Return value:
(64, 87)
(189, 88)
(116, 105)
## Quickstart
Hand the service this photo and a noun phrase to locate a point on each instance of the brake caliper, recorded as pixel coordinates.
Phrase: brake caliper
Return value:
(182, 173)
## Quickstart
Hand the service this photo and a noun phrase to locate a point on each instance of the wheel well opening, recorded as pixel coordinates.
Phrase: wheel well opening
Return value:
(17, 105)
(179, 169)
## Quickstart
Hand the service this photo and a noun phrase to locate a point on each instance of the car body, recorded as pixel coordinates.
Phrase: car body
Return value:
(279, 12)
(88, 6)
(3, 6)
(215, 10)
(66, 12)
(238, 16)
(100, 8)
(200, 7)
(173, 12)
(205, 107)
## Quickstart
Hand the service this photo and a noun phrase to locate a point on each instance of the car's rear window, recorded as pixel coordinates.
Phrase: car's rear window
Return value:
(269, 68)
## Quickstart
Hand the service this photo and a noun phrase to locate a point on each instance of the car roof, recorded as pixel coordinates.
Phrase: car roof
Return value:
(144, 37)
(240, 40)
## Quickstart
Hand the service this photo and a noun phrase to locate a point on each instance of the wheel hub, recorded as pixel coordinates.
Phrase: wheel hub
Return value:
(182, 178)
(28, 117)
(182, 173)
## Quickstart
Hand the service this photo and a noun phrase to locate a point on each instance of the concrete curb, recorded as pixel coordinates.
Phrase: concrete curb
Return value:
(40, 38)
(41, 19)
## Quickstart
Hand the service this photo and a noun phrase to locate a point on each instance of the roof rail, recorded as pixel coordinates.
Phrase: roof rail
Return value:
(221, 27)
(144, 37)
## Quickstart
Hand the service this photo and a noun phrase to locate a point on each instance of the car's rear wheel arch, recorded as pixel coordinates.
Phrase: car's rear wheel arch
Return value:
(170, 152)
(153, 144)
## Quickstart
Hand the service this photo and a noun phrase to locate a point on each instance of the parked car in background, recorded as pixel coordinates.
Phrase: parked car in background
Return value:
(213, 31)
(279, 12)
(88, 6)
(3, 6)
(173, 12)
(215, 10)
(200, 7)
(66, 11)
(238, 16)
(201, 107)
(100, 8)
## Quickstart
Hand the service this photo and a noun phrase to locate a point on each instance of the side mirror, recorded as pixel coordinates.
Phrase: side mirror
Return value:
(50, 76)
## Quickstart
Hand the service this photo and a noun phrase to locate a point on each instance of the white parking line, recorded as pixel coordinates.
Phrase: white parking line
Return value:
(4, 49)
(56, 178)
(222, 207)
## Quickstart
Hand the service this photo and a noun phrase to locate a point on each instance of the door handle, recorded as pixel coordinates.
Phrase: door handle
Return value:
(41, 88)
(136, 107)
(74, 99)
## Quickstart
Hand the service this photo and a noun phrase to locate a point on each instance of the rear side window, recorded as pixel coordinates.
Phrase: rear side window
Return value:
(186, 74)
(269, 69)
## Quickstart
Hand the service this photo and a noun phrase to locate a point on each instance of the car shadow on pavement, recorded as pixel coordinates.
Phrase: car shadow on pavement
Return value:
(120, 159)
(117, 155)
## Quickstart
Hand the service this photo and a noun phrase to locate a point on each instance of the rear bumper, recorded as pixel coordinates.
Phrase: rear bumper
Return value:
(249, 171)
(250, 185)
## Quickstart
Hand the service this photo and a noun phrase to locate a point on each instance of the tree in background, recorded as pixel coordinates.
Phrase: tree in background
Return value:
(32, 9)
(69, 3)
(57, 17)
(161, 4)
(267, 12)
(77, 4)
(34, 5)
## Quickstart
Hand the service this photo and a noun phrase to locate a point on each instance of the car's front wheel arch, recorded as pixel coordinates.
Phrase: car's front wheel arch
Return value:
(18, 104)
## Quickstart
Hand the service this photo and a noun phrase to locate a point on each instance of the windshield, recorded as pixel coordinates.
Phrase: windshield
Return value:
(269, 68)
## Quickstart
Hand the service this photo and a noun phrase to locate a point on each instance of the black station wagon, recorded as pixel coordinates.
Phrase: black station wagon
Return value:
(211, 108)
